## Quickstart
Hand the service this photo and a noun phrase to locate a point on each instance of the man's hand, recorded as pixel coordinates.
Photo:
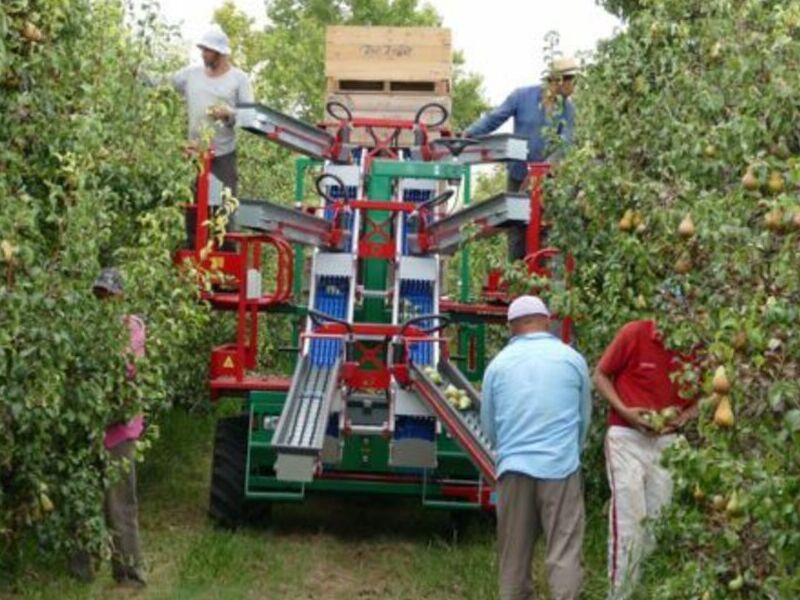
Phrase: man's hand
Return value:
(190, 149)
(632, 415)
(681, 419)
(221, 112)
(635, 417)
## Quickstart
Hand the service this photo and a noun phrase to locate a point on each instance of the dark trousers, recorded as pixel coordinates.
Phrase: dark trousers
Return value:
(526, 508)
(122, 519)
(122, 516)
(516, 233)
(223, 168)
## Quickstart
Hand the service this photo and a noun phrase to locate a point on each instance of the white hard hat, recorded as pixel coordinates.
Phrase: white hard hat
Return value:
(216, 40)
(525, 306)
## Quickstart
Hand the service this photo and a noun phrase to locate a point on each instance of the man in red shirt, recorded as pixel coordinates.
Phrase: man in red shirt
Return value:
(634, 375)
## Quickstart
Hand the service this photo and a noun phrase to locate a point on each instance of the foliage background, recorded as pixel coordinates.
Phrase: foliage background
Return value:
(673, 113)
(91, 176)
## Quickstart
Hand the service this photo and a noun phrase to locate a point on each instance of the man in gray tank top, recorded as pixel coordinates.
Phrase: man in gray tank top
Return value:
(212, 92)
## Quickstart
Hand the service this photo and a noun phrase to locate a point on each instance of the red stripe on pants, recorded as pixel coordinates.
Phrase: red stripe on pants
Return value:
(614, 524)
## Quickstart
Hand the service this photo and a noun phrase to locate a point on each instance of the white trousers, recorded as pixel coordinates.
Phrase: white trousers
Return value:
(640, 488)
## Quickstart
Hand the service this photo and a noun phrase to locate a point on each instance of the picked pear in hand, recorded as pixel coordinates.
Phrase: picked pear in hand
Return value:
(670, 413)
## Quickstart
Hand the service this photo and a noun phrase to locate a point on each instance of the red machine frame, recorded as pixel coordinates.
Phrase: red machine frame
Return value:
(230, 363)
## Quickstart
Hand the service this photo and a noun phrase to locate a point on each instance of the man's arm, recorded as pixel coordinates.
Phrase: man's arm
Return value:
(586, 402)
(487, 407)
(566, 132)
(227, 114)
(687, 414)
(179, 79)
(244, 95)
(176, 80)
(632, 415)
(495, 118)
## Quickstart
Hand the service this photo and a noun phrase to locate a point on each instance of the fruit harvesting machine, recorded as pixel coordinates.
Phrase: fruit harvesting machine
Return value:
(381, 398)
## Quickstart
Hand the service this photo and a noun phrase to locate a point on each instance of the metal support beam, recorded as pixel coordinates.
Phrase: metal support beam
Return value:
(489, 216)
(502, 147)
(286, 131)
(416, 169)
(294, 225)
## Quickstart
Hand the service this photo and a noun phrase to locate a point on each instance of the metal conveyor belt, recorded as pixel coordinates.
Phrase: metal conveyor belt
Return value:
(464, 425)
(498, 212)
(285, 130)
(300, 433)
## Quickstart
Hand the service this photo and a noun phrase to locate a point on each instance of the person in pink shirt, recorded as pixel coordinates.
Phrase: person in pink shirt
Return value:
(121, 505)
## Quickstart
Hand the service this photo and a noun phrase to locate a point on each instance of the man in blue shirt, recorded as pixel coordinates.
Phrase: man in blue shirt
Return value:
(535, 109)
(539, 111)
(535, 410)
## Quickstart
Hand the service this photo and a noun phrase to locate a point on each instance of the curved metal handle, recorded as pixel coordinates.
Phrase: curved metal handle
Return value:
(319, 318)
(334, 105)
(425, 108)
(321, 190)
(436, 201)
(444, 321)
(455, 146)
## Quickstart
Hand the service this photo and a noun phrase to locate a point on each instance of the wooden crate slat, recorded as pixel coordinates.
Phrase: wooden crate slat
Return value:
(403, 53)
(389, 102)
(363, 86)
(387, 106)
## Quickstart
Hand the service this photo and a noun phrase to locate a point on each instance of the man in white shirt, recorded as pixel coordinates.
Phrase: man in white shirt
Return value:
(212, 92)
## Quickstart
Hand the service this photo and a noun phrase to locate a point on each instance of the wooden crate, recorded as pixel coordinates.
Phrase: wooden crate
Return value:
(388, 72)
(400, 54)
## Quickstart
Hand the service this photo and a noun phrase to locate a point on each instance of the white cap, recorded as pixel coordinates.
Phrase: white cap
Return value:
(216, 40)
(525, 306)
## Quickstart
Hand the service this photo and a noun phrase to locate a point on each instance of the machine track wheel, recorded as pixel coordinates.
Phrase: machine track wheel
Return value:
(227, 505)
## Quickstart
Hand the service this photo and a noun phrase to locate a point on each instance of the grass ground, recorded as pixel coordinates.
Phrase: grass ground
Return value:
(326, 549)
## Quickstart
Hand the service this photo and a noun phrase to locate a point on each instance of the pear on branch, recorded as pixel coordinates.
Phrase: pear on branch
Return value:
(775, 183)
(626, 222)
(683, 265)
(32, 33)
(686, 229)
(723, 416)
(750, 181)
(773, 220)
(720, 382)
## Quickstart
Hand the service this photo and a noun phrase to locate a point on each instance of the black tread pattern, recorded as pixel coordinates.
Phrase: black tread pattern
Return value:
(227, 505)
